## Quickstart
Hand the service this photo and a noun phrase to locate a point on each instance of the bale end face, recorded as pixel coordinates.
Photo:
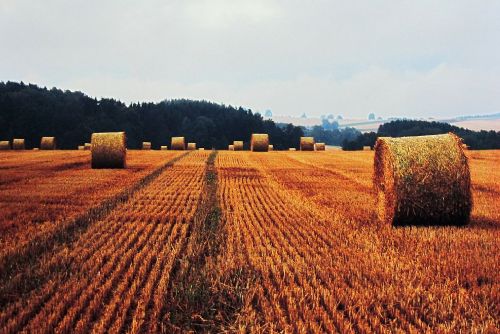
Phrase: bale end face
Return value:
(178, 143)
(163, 148)
(271, 148)
(146, 145)
(48, 143)
(259, 142)
(230, 147)
(422, 181)
(191, 146)
(319, 146)
(307, 143)
(292, 149)
(109, 150)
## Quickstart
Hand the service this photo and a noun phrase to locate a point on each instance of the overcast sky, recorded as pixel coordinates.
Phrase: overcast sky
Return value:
(394, 58)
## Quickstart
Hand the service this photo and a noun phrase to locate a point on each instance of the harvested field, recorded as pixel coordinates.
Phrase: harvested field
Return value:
(235, 241)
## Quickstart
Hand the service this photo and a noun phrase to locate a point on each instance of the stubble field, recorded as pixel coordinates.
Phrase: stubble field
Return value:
(235, 241)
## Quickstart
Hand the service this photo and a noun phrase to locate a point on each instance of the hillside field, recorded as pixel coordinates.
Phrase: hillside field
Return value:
(214, 241)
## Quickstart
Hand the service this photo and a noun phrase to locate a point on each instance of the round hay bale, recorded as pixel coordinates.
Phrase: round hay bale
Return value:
(191, 146)
(307, 143)
(201, 149)
(146, 145)
(230, 147)
(36, 149)
(465, 146)
(367, 148)
(81, 147)
(238, 145)
(259, 142)
(87, 146)
(109, 150)
(163, 148)
(422, 181)
(178, 143)
(48, 143)
(292, 149)
(271, 148)
(319, 146)
(18, 144)
(4, 145)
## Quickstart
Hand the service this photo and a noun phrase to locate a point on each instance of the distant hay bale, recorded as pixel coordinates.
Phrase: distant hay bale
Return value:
(201, 149)
(271, 148)
(191, 146)
(319, 146)
(48, 143)
(238, 145)
(36, 149)
(422, 181)
(163, 148)
(81, 147)
(18, 144)
(307, 143)
(259, 142)
(109, 150)
(178, 143)
(465, 146)
(367, 148)
(292, 149)
(4, 145)
(146, 145)
(87, 146)
(230, 147)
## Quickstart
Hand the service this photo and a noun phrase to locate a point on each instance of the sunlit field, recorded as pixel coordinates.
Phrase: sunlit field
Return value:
(212, 241)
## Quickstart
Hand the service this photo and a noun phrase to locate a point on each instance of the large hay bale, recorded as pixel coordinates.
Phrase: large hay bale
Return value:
(271, 148)
(87, 146)
(307, 143)
(259, 142)
(178, 143)
(109, 150)
(238, 145)
(48, 143)
(191, 146)
(292, 149)
(81, 147)
(230, 147)
(422, 181)
(4, 145)
(163, 148)
(319, 146)
(18, 144)
(146, 145)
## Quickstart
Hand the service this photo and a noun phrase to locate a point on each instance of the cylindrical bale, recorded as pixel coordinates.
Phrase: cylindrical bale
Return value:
(146, 145)
(48, 143)
(367, 148)
(230, 147)
(422, 181)
(465, 146)
(292, 149)
(18, 144)
(191, 146)
(163, 148)
(36, 149)
(259, 142)
(4, 145)
(201, 149)
(319, 146)
(87, 146)
(307, 143)
(178, 143)
(81, 147)
(238, 145)
(109, 150)
(271, 148)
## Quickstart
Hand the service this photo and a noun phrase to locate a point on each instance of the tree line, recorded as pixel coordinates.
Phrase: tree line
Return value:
(30, 112)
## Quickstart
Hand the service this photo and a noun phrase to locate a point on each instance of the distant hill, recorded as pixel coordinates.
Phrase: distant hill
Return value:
(30, 112)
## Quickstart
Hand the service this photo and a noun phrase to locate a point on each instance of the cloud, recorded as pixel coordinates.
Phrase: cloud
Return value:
(409, 58)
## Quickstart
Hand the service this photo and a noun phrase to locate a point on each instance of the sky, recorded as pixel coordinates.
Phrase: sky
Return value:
(423, 58)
